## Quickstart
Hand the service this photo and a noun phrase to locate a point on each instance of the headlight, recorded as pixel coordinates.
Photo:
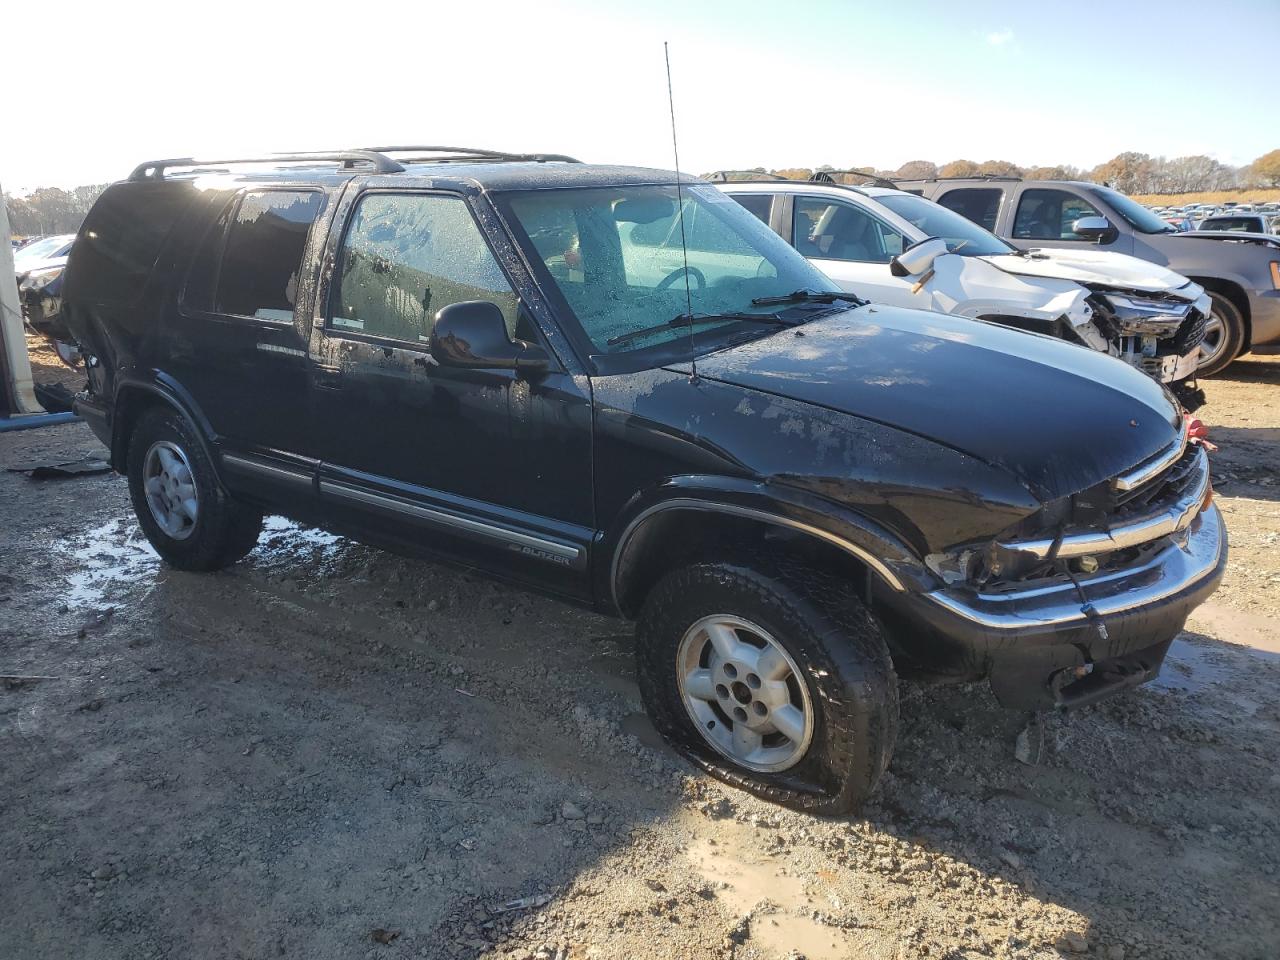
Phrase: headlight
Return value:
(40, 278)
(1165, 308)
(1275, 274)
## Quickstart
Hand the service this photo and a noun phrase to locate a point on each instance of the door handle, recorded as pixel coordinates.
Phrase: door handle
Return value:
(327, 378)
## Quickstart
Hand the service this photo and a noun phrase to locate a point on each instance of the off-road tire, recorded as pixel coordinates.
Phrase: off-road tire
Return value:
(833, 639)
(225, 529)
(1232, 335)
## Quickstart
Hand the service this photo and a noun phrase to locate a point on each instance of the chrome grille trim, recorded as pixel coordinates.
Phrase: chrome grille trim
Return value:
(1149, 471)
(1174, 518)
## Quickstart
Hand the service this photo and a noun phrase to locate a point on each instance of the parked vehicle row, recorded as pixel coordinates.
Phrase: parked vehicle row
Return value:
(895, 247)
(1242, 222)
(1240, 271)
(39, 266)
(511, 362)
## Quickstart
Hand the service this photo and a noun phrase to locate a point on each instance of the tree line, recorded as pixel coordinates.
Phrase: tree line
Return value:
(53, 210)
(50, 210)
(1129, 172)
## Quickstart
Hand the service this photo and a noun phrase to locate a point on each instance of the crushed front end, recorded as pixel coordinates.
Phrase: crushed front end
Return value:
(1084, 597)
(1159, 333)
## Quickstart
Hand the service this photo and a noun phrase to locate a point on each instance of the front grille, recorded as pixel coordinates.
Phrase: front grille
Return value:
(1117, 532)
(1165, 487)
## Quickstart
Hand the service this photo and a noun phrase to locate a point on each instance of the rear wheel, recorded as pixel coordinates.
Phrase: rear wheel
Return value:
(1223, 336)
(774, 679)
(190, 520)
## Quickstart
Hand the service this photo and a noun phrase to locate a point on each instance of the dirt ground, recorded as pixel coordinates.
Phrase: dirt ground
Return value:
(48, 371)
(331, 752)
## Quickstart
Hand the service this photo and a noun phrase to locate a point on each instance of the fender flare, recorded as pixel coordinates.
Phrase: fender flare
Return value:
(169, 392)
(894, 564)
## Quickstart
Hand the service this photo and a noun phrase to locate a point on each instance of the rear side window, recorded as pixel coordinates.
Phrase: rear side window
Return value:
(979, 204)
(1050, 215)
(757, 203)
(258, 275)
(405, 258)
(703, 231)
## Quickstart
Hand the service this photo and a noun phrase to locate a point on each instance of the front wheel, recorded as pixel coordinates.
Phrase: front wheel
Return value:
(779, 683)
(1223, 336)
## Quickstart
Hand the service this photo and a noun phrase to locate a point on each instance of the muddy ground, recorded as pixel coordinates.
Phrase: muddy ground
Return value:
(331, 752)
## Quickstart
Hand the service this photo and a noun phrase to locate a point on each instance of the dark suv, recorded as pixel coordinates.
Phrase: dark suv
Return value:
(505, 362)
(1240, 271)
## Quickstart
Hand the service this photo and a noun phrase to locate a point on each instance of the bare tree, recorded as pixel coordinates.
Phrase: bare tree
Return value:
(917, 170)
(959, 168)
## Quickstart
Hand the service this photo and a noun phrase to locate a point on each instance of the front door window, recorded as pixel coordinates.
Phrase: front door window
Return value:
(406, 257)
(1050, 215)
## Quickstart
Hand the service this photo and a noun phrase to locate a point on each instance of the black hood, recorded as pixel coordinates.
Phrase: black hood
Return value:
(1058, 417)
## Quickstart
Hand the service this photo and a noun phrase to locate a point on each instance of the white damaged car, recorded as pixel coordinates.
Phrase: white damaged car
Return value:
(894, 247)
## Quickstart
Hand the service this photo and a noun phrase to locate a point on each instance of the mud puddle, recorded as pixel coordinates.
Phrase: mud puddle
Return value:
(1240, 642)
(110, 560)
(782, 914)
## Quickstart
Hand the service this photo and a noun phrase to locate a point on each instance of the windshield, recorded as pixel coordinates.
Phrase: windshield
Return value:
(1133, 213)
(38, 250)
(962, 236)
(1235, 224)
(614, 255)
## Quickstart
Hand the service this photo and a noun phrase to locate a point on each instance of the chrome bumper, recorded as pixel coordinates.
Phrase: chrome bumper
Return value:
(1192, 558)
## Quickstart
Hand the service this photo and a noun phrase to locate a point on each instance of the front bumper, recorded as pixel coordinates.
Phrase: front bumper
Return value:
(1264, 319)
(1031, 642)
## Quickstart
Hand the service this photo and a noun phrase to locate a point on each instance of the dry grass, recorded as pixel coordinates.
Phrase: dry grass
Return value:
(1258, 195)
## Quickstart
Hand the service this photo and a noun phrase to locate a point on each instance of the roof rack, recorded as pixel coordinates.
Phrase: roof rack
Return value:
(154, 169)
(976, 176)
(473, 153)
(829, 176)
(752, 176)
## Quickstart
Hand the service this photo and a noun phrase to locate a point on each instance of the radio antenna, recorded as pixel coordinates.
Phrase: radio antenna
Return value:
(684, 247)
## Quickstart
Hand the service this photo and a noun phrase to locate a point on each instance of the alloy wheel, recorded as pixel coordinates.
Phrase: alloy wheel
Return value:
(744, 693)
(170, 489)
(1214, 337)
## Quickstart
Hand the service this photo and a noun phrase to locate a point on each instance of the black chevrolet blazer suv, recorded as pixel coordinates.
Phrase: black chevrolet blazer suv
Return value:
(620, 387)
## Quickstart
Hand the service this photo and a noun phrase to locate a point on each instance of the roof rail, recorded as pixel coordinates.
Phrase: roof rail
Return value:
(154, 169)
(477, 153)
(976, 176)
(754, 176)
(829, 176)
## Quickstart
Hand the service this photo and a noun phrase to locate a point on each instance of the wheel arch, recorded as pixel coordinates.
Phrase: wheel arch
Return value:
(1235, 293)
(689, 525)
(134, 398)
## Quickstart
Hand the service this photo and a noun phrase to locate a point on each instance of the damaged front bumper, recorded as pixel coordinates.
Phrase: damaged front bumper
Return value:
(1068, 642)
(1160, 336)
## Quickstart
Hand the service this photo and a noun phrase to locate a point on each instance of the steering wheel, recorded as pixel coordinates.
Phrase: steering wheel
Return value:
(675, 275)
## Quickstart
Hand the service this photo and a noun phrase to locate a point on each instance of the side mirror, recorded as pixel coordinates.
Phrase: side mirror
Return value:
(918, 258)
(473, 335)
(1093, 228)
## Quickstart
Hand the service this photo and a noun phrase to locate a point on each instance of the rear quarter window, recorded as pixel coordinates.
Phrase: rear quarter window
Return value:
(122, 238)
(979, 204)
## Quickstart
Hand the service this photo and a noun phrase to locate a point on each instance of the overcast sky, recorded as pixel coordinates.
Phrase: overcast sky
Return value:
(101, 86)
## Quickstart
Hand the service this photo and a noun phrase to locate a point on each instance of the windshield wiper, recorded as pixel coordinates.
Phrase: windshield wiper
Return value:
(687, 320)
(808, 296)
